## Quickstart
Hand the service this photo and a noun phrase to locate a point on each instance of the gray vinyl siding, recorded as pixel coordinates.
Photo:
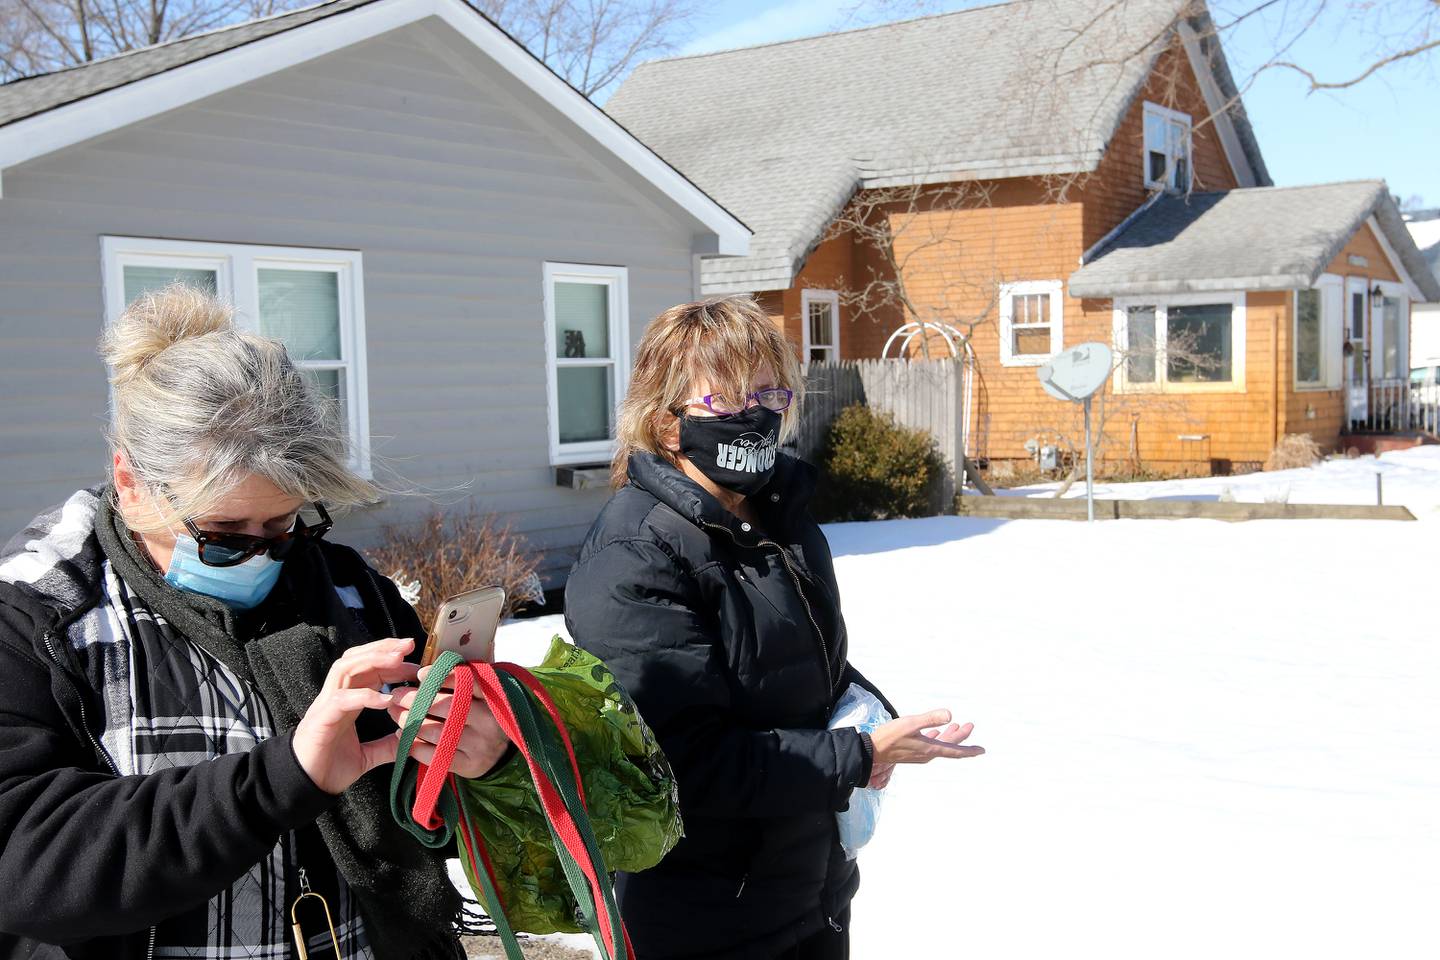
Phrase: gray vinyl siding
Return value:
(454, 182)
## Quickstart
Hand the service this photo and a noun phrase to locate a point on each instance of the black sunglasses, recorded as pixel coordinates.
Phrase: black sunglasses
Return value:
(229, 549)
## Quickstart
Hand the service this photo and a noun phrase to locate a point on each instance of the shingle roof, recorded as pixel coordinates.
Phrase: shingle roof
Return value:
(32, 97)
(1246, 239)
(26, 97)
(782, 134)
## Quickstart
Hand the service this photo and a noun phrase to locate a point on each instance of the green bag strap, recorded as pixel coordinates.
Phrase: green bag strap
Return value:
(549, 763)
(555, 763)
(484, 871)
(450, 808)
(405, 775)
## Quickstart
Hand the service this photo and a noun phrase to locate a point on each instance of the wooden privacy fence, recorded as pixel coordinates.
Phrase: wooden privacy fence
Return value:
(922, 394)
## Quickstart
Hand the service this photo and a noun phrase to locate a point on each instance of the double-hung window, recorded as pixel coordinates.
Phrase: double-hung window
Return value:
(1184, 343)
(587, 350)
(311, 300)
(1032, 322)
(1318, 335)
(820, 325)
(1167, 148)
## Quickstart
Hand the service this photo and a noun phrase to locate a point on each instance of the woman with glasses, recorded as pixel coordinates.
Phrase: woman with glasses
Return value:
(709, 590)
(194, 683)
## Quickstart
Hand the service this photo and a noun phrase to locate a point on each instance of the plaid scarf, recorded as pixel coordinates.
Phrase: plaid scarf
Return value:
(176, 689)
(169, 703)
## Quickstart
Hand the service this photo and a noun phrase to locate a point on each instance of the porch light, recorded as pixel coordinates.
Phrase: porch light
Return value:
(1377, 297)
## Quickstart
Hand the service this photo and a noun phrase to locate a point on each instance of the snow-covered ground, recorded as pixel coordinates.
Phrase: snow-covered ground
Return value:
(1410, 477)
(1205, 739)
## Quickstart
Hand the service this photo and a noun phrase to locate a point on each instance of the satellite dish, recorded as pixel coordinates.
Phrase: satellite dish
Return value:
(1076, 373)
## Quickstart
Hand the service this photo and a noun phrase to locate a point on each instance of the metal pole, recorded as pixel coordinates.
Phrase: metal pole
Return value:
(1089, 468)
(1379, 489)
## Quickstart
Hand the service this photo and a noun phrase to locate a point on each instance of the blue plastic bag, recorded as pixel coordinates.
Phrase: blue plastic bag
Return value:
(860, 709)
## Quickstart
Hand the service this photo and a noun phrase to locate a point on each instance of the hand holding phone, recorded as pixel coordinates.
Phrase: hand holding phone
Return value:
(466, 624)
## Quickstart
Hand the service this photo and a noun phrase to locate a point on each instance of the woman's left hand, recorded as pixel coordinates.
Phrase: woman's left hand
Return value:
(880, 776)
(482, 743)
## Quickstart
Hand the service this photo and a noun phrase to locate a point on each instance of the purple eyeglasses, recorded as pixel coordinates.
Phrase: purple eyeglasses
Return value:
(771, 398)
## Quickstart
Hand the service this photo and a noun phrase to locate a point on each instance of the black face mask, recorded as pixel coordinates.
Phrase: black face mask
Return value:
(735, 451)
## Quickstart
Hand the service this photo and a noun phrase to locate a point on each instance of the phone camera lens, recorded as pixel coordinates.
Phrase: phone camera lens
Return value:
(453, 613)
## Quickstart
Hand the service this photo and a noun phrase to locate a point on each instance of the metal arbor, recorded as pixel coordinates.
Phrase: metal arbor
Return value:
(959, 346)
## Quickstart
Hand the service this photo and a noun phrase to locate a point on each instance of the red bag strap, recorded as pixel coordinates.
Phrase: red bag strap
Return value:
(550, 800)
(543, 695)
(436, 776)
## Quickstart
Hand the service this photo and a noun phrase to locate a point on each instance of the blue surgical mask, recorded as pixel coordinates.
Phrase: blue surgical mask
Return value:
(242, 586)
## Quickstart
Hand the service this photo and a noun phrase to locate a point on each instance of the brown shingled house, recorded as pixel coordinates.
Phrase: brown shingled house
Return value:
(1083, 194)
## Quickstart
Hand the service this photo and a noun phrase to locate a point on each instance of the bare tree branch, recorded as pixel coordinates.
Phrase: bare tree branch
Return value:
(1317, 84)
(591, 43)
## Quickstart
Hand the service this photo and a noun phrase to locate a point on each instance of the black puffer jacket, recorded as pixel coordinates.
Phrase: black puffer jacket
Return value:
(731, 641)
(90, 860)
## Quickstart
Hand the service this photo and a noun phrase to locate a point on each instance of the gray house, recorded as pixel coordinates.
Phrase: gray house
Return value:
(456, 243)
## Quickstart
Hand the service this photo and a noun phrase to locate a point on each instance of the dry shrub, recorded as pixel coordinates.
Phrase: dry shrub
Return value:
(1294, 450)
(874, 469)
(471, 550)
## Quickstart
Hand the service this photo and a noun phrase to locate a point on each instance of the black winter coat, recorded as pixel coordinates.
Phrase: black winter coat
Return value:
(731, 642)
(88, 860)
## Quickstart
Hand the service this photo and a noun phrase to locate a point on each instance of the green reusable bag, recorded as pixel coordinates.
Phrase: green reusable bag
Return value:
(630, 797)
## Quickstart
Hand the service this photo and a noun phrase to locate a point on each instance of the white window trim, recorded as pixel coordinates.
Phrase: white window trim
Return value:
(1236, 383)
(1332, 335)
(1399, 292)
(809, 295)
(1008, 291)
(236, 268)
(616, 279)
(1165, 113)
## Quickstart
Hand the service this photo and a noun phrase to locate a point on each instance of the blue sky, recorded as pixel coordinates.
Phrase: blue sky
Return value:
(1388, 126)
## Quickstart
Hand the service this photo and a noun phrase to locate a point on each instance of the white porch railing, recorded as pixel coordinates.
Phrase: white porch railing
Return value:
(1403, 406)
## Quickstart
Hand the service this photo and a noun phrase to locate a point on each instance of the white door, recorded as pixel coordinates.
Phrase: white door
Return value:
(1357, 391)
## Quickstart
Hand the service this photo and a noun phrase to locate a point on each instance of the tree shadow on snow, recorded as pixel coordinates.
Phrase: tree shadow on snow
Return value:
(882, 536)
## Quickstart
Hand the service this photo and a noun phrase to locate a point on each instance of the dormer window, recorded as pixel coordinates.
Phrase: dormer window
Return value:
(1167, 149)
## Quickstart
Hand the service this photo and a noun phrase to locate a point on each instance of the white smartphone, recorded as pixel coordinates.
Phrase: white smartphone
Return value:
(466, 624)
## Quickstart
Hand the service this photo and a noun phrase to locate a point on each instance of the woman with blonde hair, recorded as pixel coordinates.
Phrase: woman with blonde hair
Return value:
(710, 592)
(193, 681)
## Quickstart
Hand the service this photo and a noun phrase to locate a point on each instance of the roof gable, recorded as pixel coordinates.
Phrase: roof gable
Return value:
(30, 96)
(1276, 238)
(46, 113)
(784, 133)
